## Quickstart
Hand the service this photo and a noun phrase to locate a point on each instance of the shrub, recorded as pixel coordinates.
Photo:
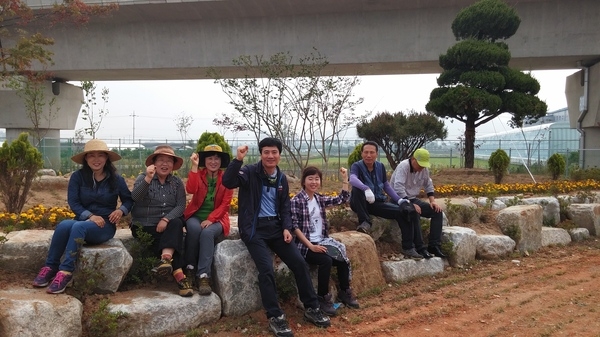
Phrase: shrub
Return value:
(88, 275)
(103, 322)
(286, 285)
(143, 259)
(19, 163)
(499, 163)
(355, 155)
(208, 138)
(556, 165)
(585, 174)
(340, 218)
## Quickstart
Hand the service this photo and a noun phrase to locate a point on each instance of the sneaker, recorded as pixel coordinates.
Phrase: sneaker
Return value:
(316, 317)
(364, 227)
(347, 297)
(163, 268)
(204, 285)
(185, 288)
(44, 277)
(280, 327)
(60, 282)
(326, 305)
(412, 254)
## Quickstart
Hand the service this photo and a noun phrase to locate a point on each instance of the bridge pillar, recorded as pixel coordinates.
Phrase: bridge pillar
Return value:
(14, 116)
(583, 101)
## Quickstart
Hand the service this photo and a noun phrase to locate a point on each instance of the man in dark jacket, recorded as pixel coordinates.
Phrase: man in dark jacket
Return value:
(265, 225)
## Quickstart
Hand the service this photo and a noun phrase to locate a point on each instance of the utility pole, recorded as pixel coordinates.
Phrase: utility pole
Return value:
(133, 137)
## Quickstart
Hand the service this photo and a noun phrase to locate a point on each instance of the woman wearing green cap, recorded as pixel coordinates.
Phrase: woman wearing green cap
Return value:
(207, 215)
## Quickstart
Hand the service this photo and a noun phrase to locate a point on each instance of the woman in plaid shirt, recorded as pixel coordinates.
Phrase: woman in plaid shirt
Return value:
(311, 229)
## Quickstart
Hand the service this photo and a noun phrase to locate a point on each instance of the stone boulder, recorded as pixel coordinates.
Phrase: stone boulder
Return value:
(523, 222)
(385, 230)
(25, 250)
(405, 270)
(33, 313)
(586, 216)
(551, 206)
(464, 245)
(493, 247)
(235, 278)
(579, 234)
(156, 313)
(459, 211)
(111, 259)
(555, 236)
(364, 260)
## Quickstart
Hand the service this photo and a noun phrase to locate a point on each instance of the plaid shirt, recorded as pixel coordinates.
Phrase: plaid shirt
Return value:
(301, 217)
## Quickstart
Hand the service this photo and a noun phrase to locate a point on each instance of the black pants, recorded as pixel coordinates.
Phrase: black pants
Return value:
(269, 238)
(324, 262)
(171, 237)
(403, 215)
(435, 229)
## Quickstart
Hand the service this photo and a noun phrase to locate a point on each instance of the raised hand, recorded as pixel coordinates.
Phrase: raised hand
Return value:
(242, 151)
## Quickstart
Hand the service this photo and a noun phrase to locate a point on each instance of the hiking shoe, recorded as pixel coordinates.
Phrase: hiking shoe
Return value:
(280, 327)
(364, 227)
(60, 282)
(412, 254)
(185, 287)
(44, 277)
(316, 317)
(164, 267)
(326, 305)
(347, 297)
(204, 285)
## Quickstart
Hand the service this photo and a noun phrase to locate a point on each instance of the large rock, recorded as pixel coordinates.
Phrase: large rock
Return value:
(235, 278)
(551, 206)
(459, 211)
(157, 313)
(555, 236)
(33, 313)
(524, 223)
(385, 230)
(493, 247)
(586, 216)
(111, 259)
(25, 250)
(464, 245)
(364, 260)
(579, 234)
(405, 270)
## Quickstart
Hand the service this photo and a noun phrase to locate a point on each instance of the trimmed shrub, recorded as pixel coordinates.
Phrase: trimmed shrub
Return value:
(499, 163)
(556, 165)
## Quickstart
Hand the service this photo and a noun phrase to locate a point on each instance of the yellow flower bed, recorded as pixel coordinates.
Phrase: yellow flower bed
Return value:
(551, 187)
(37, 216)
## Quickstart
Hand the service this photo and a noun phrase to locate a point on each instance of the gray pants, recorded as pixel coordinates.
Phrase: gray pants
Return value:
(200, 244)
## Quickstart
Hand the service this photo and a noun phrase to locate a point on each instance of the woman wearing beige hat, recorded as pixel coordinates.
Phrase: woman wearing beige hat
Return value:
(207, 215)
(92, 195)
(159, 201)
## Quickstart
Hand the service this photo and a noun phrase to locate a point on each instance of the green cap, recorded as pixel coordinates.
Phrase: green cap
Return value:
(422, 157)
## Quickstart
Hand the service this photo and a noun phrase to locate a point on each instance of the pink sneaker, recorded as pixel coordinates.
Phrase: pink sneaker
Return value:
(60, 283)
(44, 277)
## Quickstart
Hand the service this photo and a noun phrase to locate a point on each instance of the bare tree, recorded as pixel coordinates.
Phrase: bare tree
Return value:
(89, 111)
(183, 123)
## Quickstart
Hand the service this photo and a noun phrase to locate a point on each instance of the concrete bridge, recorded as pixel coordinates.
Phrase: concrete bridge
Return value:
(158, 40)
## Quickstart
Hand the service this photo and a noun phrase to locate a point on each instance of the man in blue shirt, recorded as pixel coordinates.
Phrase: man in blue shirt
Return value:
(368, 178)
(265, 224)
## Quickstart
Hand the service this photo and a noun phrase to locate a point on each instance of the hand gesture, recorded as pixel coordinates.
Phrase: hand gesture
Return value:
(195, 159)
(344, 174)
(150, 171)
(370, 196)
(242, 151)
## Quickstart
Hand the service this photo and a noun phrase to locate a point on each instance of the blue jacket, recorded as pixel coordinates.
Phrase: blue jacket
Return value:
(249, 181)
(85, 200)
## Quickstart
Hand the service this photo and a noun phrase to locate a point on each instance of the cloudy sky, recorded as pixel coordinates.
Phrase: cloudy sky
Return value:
(147, 109)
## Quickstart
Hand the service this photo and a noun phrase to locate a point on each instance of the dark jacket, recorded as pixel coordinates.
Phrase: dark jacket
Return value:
(249, 181)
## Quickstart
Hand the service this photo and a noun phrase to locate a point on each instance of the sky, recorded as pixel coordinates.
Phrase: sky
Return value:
(148, 109)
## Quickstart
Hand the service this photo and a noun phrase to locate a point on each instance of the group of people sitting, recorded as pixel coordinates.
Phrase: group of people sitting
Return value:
(269, 221)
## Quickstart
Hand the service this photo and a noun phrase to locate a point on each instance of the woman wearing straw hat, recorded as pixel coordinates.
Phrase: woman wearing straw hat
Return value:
(207, 215)
(92, 195)
(159, 198)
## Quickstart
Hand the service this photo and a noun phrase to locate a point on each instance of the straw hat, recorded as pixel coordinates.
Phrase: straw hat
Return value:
(95, 145)
(168, 151)
(211, 150)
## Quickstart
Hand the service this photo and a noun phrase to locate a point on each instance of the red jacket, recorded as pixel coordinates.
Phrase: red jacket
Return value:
(198, 187)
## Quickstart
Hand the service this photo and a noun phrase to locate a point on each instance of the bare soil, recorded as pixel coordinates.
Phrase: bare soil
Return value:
(552, 292)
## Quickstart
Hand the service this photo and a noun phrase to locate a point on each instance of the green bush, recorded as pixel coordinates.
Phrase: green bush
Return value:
(103, 322)
(556, 165)
(209, 138)
(355, 155)
(499, 163)
(585, 174)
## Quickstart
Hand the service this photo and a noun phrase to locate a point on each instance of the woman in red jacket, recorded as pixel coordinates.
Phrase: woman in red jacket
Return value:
(207, 215)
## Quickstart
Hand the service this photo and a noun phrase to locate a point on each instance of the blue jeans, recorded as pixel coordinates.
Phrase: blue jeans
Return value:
(64, 241)
(200, 245)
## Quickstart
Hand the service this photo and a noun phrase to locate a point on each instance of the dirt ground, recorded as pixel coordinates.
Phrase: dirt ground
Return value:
(552, 292)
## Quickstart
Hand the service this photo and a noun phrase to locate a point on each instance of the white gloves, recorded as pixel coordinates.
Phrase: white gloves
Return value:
(370, 196)
(401, 201)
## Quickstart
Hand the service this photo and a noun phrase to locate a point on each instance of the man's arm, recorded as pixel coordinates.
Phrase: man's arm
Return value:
(233, 176)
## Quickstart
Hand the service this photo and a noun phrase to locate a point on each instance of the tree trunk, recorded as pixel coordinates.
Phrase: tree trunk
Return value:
(469, 145)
